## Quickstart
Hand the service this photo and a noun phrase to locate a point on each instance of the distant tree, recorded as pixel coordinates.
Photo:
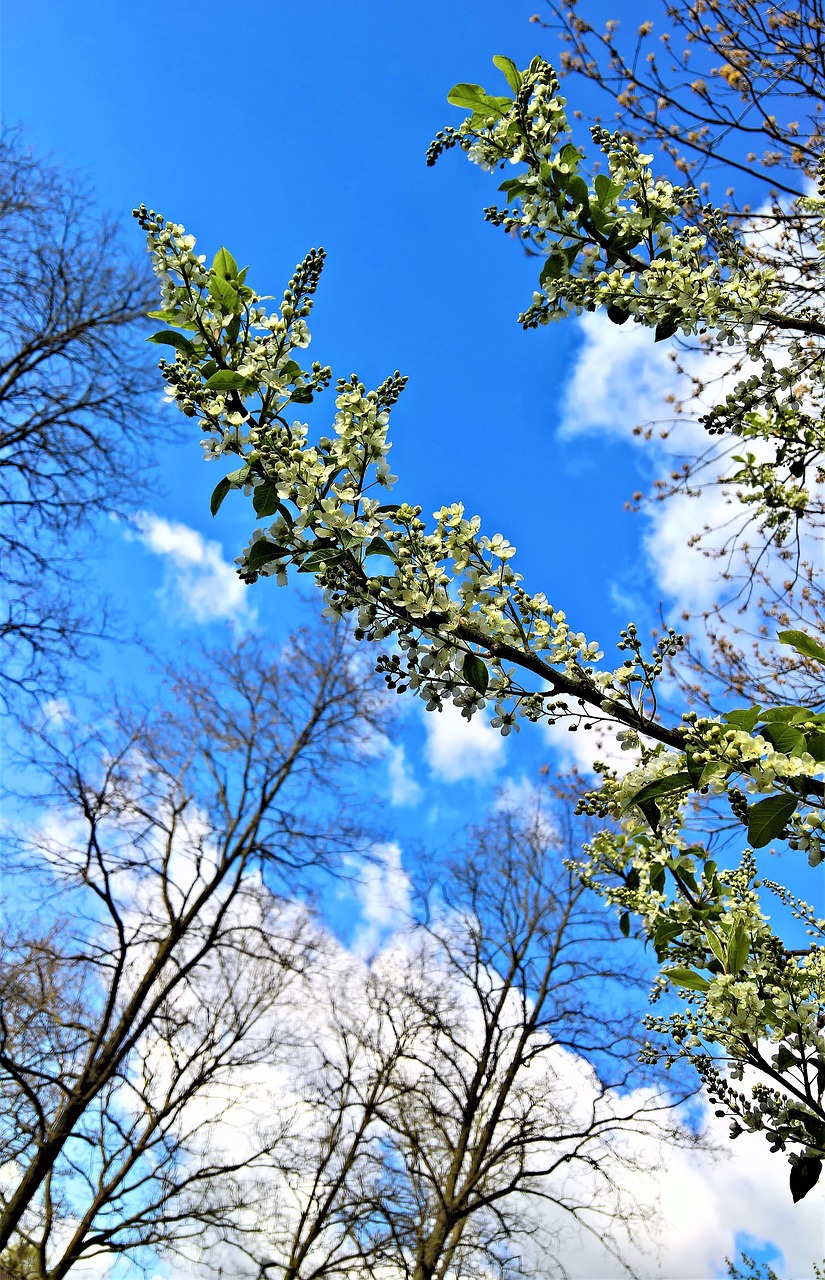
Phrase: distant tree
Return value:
(155, 929)
(467, 1083)
(75, 406)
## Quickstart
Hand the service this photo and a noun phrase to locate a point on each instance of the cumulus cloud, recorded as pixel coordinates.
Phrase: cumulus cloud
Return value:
(199, 584)
(620, 378)
(458, 749)
(705, 1207)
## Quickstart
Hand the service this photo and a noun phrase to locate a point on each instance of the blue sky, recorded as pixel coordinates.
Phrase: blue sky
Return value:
(272, 128)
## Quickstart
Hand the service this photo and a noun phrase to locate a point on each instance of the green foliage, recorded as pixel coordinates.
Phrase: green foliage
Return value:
(466, 629)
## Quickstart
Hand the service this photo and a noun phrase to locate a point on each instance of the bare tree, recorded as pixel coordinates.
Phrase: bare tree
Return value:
(726, 88)
(75, 399)
(142, 995)
(469, 1088)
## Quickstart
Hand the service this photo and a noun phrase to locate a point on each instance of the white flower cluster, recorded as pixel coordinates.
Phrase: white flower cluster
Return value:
(621, 243)
(448, 593)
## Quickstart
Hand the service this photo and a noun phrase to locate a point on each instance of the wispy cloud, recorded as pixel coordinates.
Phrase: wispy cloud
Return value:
(620, 380)
(384, 895)
(404, 790)
(199, 584)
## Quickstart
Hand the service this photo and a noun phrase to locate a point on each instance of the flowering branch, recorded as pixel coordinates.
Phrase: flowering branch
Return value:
(465, 629)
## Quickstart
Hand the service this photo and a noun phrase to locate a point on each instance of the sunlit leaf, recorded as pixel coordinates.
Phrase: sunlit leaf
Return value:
(228, 380)
(737, 949)
(687, 978)
(510, 71)
(169, 338)
(804, 644)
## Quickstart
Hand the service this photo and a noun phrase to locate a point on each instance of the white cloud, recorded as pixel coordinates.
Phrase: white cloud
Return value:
(383, 892)
(199, 584)
(620, 379)
(457, 749)
(578, 748)
(704, 1204)
(520, 796)
(404, 790)
(526, 801)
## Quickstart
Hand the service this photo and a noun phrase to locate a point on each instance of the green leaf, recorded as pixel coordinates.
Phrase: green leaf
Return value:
(168, 338)
(804, 644)
(509, 70)
(239, 477)
(474, 98)
(768, 818)
(785, 738)
(578, 191)
(228, 380)
(660, 787)
(664, 935)
(316, 561)
(816, 745)
(220, 491)
(514, 187)
(570, 158)
(713, 770)
(652, 814)
(379, 547)
(607, 191)
(224, 265)
(225, 295)
(784, 715)
(804, 1176)
(603, 222)
(624, 924)
(785, 1059)
(746, 718)
(694, 768)
(263, 552)
(687, 978)
(493, 106)
(665, 329)
(265, 499)
(475, 672)
(553, 268)
(715, 945)
(738, 948)
(171, 316)
(466, 95)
